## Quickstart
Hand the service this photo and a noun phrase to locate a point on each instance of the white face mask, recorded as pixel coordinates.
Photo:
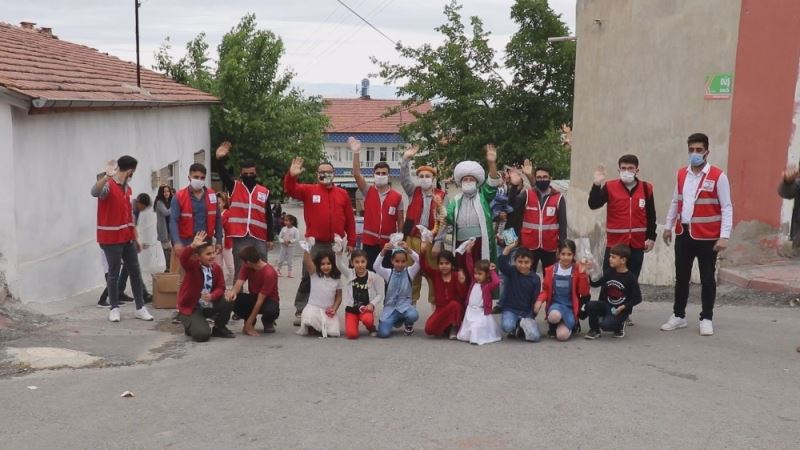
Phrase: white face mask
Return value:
(469, 187)
(197, 184)
(426, 183)
(627, 177)
(381, 180)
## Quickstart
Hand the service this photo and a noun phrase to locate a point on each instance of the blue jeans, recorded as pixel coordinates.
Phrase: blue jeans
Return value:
(567, 316)
(396, 319)
(509, 320)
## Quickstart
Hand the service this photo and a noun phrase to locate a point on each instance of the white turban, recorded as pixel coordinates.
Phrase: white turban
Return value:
(471, 168)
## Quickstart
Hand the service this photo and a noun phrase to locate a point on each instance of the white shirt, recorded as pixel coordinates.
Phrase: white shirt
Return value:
(323, 291)
(689, 190)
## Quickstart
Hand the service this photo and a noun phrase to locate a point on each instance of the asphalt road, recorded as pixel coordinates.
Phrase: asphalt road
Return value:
(737, 389)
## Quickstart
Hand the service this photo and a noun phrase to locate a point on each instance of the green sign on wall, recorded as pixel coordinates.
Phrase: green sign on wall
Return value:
(719, 86)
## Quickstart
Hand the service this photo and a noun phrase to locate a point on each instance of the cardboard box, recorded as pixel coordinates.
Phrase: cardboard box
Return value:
(165, 290)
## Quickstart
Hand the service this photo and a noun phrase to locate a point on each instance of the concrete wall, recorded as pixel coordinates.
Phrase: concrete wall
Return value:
(56, 158)
(8, 229)
(792, 159)
(639, 88)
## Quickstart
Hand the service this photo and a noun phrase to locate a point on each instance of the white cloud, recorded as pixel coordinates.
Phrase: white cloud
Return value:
(325, 43)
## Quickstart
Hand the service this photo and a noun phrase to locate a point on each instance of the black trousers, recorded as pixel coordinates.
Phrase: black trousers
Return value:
(634, 262)
(244, 304)
(547, 259)
(195, 325)
(372, 252)
(601, 318)
(687, 250)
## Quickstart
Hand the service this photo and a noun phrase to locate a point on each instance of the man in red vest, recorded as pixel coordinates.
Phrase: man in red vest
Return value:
(383, 206)
(327, 211)
(116, 233)
(702, 214)
(544, 216)
(249, 213)
(631, 211)
(194, 209)
(423, 201)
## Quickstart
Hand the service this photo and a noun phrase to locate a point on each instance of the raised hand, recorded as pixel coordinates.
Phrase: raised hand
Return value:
(223, 150)
(354, 144)
(790, 175)
(410, 153)
(296, 167)
(491, 153)
(111, 168)
(599, 174)
(199, 239)
(527, 167)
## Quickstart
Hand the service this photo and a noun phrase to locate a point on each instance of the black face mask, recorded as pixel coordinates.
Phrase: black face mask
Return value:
(542, 185)
(249, 181)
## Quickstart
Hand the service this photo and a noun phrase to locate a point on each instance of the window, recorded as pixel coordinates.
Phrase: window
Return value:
(369, 162)
(395, 154)
(166, 175)
(383, 154)
(349, 155)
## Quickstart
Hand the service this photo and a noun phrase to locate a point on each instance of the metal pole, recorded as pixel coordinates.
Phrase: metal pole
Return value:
(136, 5)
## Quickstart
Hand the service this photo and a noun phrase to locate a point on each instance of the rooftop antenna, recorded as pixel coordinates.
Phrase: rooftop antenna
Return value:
(136, 5)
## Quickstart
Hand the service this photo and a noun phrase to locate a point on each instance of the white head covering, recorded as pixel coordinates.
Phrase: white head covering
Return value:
(471, 168)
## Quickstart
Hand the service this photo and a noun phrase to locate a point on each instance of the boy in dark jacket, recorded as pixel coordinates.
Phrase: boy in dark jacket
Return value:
(520, 292)
(619, 293)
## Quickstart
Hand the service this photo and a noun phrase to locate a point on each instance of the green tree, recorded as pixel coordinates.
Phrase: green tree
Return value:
(265, 118)
(473, 105)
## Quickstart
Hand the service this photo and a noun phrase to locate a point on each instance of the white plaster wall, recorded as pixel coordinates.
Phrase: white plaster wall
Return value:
(8, 229)
(792, 157)
(639, 85)
(56, 160)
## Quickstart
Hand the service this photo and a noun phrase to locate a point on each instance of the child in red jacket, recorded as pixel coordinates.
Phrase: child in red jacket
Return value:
(201, 293)
(563, 287)
(479, 326)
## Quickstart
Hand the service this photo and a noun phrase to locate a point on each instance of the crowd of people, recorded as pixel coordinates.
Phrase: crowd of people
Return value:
(495, 256)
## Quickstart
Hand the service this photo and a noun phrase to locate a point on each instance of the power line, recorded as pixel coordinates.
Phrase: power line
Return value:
(367, 22)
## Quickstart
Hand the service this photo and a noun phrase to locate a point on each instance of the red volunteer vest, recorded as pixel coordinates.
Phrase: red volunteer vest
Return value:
(414, 211)
(378, 227)
(706, 222)
(540, 225)
(626, 217)
(186, 221)
(248, 211)
(115, 216)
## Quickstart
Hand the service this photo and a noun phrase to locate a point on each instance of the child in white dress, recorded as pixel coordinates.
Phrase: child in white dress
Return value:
(325, 295)
(479, 326)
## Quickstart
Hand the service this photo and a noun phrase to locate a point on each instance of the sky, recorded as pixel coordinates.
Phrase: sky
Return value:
(327, 46)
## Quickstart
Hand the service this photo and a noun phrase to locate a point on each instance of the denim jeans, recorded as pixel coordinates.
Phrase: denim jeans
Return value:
(396, 319)
(509, 321)
(116, 255)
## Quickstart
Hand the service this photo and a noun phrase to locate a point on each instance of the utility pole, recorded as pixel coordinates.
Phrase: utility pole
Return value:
(136, 6)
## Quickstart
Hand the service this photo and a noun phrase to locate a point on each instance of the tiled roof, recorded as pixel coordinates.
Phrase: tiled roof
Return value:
(365, 115)
(35, 65)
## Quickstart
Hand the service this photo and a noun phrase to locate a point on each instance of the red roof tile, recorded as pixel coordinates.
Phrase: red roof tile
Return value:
(360, 115)
(39, 66)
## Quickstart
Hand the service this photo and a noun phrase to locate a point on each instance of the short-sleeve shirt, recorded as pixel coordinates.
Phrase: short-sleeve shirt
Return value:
(263, 281)
(323, 290)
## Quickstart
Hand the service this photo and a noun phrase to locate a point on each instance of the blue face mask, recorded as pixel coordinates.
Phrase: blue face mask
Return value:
(696, 159)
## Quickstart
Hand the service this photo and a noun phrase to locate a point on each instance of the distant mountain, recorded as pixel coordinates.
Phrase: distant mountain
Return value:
(342, 90)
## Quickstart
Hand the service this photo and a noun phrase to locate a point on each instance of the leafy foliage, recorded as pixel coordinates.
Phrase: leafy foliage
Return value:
(265, 118)
(473, 105)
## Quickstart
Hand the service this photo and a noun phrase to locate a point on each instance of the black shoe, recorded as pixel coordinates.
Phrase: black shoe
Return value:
(592, 335)
(235, 316)
(621, 332)
(125, 298)
(408, 330)
(175, 318)
(222, 332)
(268, 327)
(551, 330)
(103, 304)
(496, 309)
(148, 298)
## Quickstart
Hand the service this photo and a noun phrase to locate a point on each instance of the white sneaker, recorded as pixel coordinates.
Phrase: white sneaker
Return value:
(674, 323)
(113, 315)
(143, 314)
(706, 328)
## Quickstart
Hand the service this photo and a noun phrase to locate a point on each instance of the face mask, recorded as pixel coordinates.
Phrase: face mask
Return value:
(249, 181)
(696, 159)
(469, 187)
(381, 180)
(197, 184)
(426, 183)
(325, 178)
(542, 185)
(627, 177)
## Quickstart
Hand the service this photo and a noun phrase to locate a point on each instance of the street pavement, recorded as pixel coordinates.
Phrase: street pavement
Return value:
(652, 389)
